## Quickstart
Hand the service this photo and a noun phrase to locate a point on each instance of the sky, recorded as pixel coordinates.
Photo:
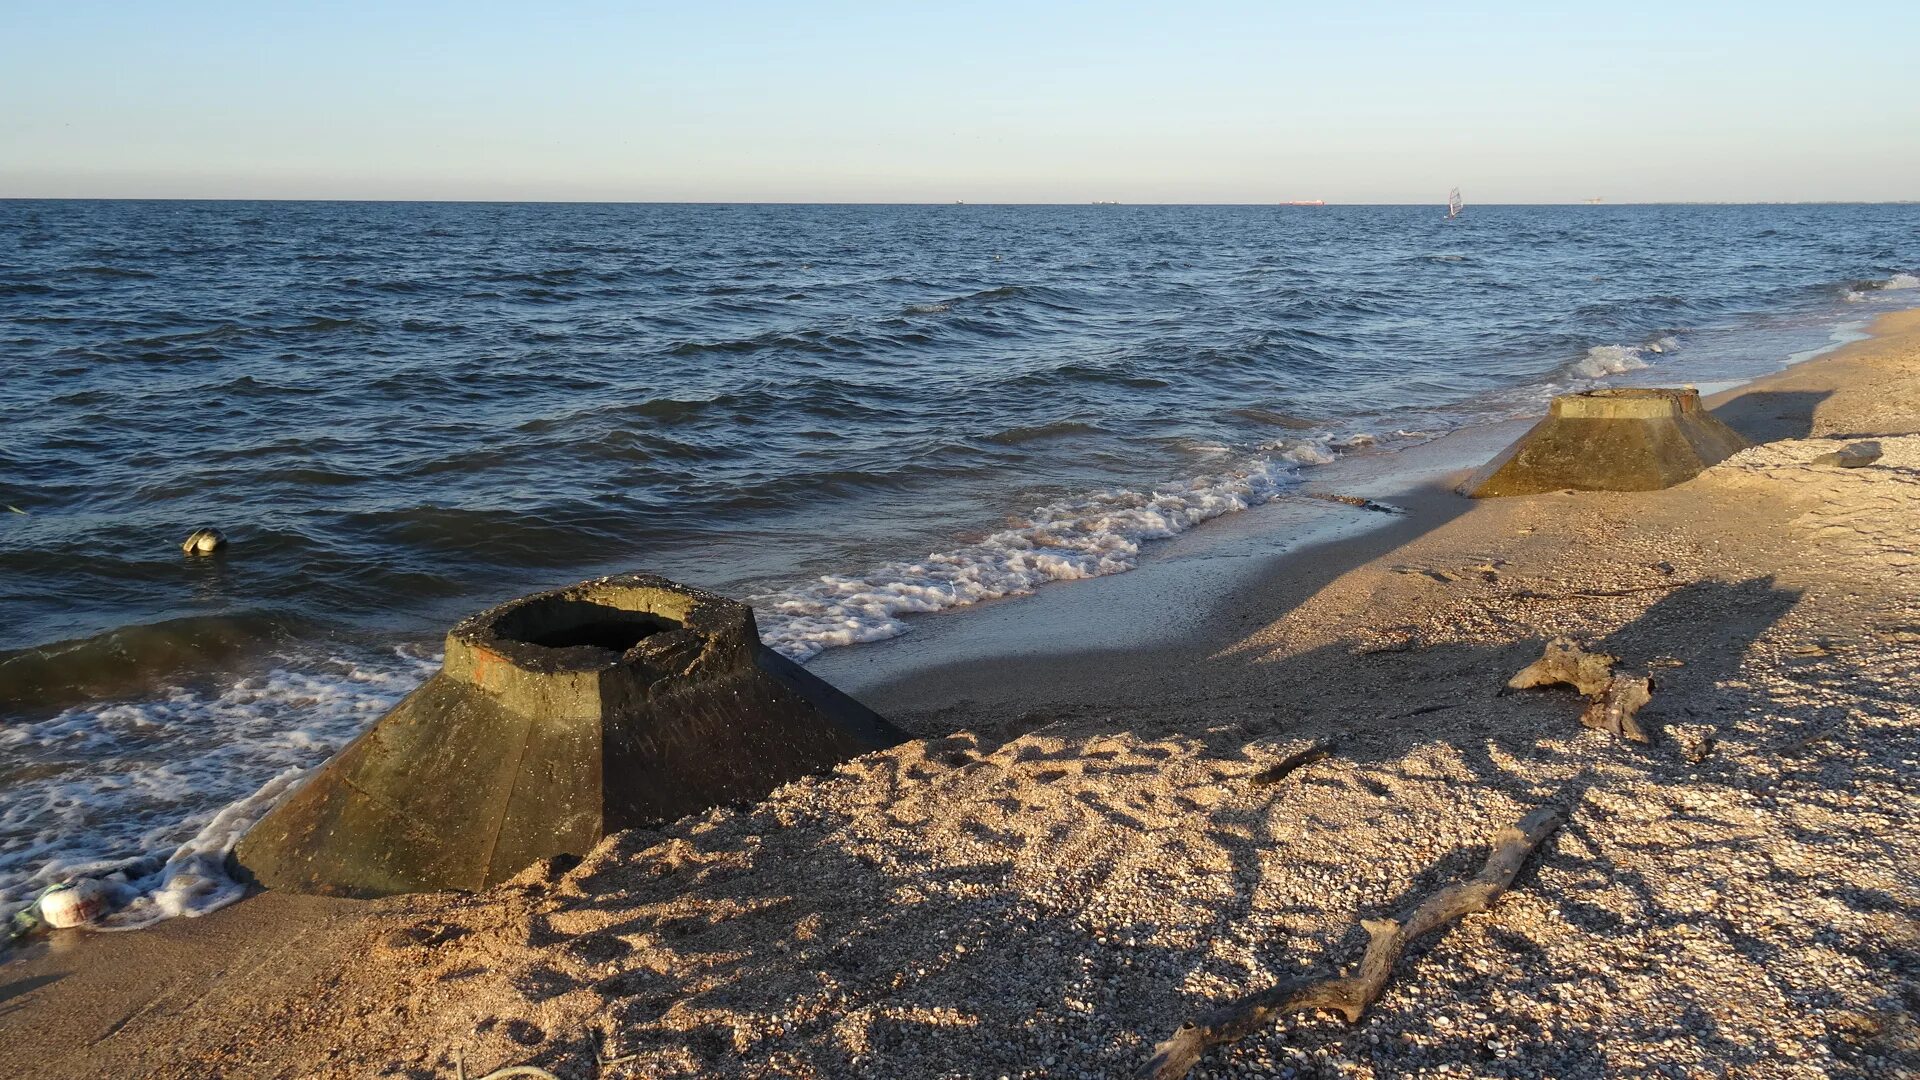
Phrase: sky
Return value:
(984, 102)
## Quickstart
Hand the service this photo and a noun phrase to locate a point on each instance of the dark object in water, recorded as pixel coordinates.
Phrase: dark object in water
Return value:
(1610, 440)
(557, 719)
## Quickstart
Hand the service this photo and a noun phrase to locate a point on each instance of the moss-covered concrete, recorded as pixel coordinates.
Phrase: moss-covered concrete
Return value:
(557, 719)
(1610, 440)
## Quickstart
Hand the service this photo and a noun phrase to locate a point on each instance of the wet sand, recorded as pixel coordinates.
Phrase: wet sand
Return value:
(1073, 857)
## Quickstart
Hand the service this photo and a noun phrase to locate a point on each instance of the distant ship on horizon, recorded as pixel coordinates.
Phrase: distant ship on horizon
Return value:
(1305, 202)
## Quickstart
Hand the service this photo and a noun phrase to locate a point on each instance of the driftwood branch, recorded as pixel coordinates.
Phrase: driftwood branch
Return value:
(1387, 939)
(1582, 594)
(1355, 500)
(1614, 696)
(1613, 709)
(1564, 663)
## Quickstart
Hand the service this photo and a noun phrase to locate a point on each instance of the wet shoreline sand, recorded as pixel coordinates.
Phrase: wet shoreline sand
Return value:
(1073, 857)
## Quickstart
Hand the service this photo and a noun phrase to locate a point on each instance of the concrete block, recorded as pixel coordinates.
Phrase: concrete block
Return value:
(1610, 440)
(555, 720)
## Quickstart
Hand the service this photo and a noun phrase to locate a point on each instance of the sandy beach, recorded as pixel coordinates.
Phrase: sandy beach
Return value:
(1074, 855)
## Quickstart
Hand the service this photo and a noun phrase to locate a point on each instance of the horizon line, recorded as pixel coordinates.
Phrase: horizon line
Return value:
(1303, 204)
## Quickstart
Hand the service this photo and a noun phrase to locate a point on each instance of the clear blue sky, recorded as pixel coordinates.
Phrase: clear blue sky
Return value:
(1020, 102)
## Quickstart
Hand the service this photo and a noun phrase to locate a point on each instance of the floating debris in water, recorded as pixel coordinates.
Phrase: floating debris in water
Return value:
(204, 542)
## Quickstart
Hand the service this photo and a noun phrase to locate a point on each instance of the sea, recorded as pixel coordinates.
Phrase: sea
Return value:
(859, 418)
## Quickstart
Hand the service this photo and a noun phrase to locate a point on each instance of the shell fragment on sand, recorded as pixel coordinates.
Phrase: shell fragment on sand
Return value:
(1610, 440)
(555, 720)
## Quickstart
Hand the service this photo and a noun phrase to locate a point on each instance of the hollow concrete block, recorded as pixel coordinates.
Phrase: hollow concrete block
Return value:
(1610, 440)
(555, 720)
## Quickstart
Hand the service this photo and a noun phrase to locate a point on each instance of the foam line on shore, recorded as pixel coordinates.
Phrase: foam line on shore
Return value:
(149, 796)
(1085, 537)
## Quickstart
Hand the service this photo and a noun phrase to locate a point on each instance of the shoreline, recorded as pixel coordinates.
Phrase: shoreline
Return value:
(1070, 857)
(1325, 538)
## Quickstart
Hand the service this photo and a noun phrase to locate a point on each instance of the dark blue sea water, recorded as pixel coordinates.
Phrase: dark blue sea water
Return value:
(400, 413)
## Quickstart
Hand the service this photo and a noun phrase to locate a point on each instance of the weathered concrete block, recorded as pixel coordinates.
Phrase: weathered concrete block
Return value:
(1610, 440)
(556, 719)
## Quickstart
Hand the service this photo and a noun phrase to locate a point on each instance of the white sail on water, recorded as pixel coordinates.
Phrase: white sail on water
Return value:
(1454, 204)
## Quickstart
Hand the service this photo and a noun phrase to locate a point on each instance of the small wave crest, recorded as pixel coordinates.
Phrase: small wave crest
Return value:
(1318, 449)
(109, 272)
(132, 658)
(1604, 360)
(1859, 291)
(1086, 537)
(1016, 436)
(1272, 418)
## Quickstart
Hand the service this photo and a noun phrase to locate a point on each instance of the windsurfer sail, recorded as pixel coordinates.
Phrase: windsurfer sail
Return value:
(1454, 204)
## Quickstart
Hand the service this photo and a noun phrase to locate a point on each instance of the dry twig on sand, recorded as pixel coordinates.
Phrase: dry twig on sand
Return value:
(530, 1071)
(1595, 594)
(1277, 773)
(1387, 939)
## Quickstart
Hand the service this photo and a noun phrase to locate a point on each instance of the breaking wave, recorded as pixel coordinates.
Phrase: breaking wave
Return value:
(1085, 537)
(149, 796)
(1604, 360)
(1860, 289)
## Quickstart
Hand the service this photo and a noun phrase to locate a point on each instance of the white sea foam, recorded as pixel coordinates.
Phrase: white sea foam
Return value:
(1602, 362)
(1318, 450)
(150, 796)
(1085, 537)
(1892, 284)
